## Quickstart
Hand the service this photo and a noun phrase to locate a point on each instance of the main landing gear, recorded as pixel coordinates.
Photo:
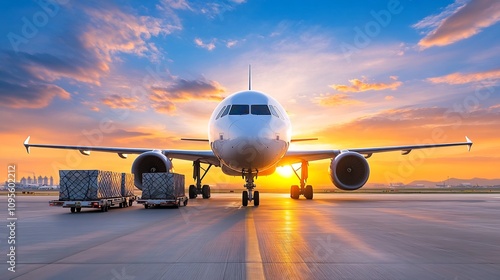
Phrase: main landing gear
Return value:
(249, 194)
(307, 191)
(204, 190)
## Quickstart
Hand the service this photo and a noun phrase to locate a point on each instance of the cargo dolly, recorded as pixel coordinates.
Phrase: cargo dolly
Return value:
(101, 204)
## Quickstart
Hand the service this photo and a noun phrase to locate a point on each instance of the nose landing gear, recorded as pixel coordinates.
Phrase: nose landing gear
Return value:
(250, 194)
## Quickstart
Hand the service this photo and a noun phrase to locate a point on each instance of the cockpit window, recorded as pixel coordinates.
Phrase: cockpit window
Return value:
(260, 110)
(220, 112)
(278, 111)
(226, 111)
(273, 111)
(239, 110)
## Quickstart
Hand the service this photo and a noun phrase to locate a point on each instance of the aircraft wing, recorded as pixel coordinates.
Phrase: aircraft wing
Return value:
(299, 156)
(204, 156)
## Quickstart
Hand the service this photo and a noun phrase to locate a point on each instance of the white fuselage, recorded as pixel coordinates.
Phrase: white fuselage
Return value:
(249, 131)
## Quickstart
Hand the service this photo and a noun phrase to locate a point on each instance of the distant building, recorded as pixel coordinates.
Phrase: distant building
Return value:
(51, 181)
(40, 181)
(46, 181)
(23, 181)
(30, 181)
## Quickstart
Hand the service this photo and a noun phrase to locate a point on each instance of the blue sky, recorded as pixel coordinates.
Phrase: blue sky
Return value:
(156, 69)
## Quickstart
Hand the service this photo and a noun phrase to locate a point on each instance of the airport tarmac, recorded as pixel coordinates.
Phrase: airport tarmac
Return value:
(334, 236)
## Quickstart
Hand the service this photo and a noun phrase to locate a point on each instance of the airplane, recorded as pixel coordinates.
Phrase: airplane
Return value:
(249, 135)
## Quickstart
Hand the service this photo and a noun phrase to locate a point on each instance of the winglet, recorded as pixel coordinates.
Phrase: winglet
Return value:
(27, 145)
(469, 142)
(249, 77)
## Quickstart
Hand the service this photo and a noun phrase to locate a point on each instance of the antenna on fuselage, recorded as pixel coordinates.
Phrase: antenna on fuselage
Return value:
(249, 77)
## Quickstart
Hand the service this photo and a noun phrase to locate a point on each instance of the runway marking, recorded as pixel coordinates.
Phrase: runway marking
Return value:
(254, 268)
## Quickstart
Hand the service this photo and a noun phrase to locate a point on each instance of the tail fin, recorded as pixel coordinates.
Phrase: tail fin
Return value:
(249, 77)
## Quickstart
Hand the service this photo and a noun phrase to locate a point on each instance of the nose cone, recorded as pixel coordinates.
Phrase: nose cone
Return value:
(252, 145)
(251, 129)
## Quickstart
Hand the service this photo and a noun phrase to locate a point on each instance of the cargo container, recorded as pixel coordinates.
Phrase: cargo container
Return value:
(94, 189)
(163, 189)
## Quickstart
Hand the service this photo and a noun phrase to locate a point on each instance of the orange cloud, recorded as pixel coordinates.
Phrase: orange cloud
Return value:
(459, 78)
(465, 21)
(108, 35)
(358, 85)
(337, 100)
(116, 101)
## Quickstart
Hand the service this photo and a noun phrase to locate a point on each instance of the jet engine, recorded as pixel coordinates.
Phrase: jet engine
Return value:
(349, 171)
(150, 162)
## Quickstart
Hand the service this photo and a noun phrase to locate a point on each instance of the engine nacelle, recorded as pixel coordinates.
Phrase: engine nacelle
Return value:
(349, 171)
(150, 162)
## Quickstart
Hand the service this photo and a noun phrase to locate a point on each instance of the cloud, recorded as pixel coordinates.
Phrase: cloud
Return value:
(337, 100)
(209, 46)
(89, 42)
(458, 21)
(174, 4)
(360, 85)
(116, 101)
(32, 95)
(459, 78)
(414, 125)
(231, 43)
(182, 90)
(215, 8)
(107, 34)
(22, 87)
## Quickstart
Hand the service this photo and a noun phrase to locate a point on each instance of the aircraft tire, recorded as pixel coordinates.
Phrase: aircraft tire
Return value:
(192, 191)
(309, 192)
(205, 190)
(244, 198)
(295, 192)
(256, 198)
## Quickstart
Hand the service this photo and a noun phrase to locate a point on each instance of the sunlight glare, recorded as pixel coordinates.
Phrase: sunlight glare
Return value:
(284, 171)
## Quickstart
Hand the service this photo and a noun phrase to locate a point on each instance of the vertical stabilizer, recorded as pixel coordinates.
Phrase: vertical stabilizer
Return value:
(249, 77)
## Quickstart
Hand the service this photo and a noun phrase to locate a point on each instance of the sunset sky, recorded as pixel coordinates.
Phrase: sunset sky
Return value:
(352, 73)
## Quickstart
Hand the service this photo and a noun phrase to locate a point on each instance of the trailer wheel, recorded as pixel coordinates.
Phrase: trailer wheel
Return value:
(130, 202)
(146, 206)
(185, 202)
(72, 209)
(78, 210)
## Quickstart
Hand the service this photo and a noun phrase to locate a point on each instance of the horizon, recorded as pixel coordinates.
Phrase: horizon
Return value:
(379, 74)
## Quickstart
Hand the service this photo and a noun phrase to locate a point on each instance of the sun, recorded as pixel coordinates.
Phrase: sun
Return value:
(284, 171)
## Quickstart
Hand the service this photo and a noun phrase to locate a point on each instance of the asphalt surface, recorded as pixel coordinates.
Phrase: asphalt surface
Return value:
(334, 236)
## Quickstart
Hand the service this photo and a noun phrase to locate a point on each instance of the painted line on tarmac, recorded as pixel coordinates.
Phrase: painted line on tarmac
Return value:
(254, 268)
